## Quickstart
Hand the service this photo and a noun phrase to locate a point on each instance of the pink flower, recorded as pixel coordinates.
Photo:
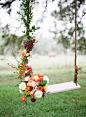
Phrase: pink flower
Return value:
(39, 81)
(32, 93)
(30, 68)
(33, 83)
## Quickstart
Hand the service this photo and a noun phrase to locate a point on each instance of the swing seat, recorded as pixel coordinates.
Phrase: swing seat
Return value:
(61, 87)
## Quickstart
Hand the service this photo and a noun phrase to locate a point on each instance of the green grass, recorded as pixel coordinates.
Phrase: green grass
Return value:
(64, 104)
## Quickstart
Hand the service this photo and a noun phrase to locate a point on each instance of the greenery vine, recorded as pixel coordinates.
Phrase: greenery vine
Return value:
(26, 17)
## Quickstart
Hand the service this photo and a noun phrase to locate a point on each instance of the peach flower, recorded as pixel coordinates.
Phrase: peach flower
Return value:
(24, 54)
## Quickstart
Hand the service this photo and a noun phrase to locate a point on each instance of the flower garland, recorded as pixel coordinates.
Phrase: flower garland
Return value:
(29, 85)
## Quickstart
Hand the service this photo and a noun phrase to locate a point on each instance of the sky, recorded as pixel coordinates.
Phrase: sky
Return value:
(14, 17)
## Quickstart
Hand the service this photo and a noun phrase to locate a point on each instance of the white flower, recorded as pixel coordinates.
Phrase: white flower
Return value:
(38, 94)
(21, 91)
(46, 78)
(22, 86)
(27, 78)
(33, 83)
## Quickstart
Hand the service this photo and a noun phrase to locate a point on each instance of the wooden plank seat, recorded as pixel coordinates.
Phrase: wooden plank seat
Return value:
(61, 87)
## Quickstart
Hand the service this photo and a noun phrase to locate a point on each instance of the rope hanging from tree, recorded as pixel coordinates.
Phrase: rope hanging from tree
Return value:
(75, 75)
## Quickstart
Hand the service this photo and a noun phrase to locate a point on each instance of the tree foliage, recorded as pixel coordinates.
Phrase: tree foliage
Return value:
(10, 41)
(66, 14)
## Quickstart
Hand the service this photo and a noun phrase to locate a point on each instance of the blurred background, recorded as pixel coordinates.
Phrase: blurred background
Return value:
(55, 46)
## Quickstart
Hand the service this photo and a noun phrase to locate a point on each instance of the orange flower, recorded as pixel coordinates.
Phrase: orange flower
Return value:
(31, 79)
(29, 88)
(40, 88)
(40, 75)
(24, 54)
(23, 99)
(41, 78)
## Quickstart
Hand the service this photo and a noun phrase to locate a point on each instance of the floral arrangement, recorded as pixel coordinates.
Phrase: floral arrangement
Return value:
(29, 85)
(34, 87)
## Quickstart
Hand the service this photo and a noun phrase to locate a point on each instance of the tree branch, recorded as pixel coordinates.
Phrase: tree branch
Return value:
(8, 3)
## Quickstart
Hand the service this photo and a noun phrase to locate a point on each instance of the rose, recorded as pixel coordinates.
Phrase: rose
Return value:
(29, 84)
(22, 86)
(40, 75)
(35, 78)
(33, 83)
(46, 78)
(33, 99)
(39, 81)
(24, 54)
(38, 94)
(31, 79)
(30, 68)
(27, 78)
(32, 93)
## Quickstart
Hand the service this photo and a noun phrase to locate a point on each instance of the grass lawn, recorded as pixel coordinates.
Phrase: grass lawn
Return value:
(64, 104)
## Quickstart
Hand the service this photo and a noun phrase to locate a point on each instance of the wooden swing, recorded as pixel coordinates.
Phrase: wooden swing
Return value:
(73, 84)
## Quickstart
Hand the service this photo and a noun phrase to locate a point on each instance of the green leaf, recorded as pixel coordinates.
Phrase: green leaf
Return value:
(48, 92)
(23, 31)
(44, 82)
(19, 65)
(15, 72)
(37, 28)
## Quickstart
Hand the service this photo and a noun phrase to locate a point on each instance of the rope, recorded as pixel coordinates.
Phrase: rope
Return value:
(76, 72)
